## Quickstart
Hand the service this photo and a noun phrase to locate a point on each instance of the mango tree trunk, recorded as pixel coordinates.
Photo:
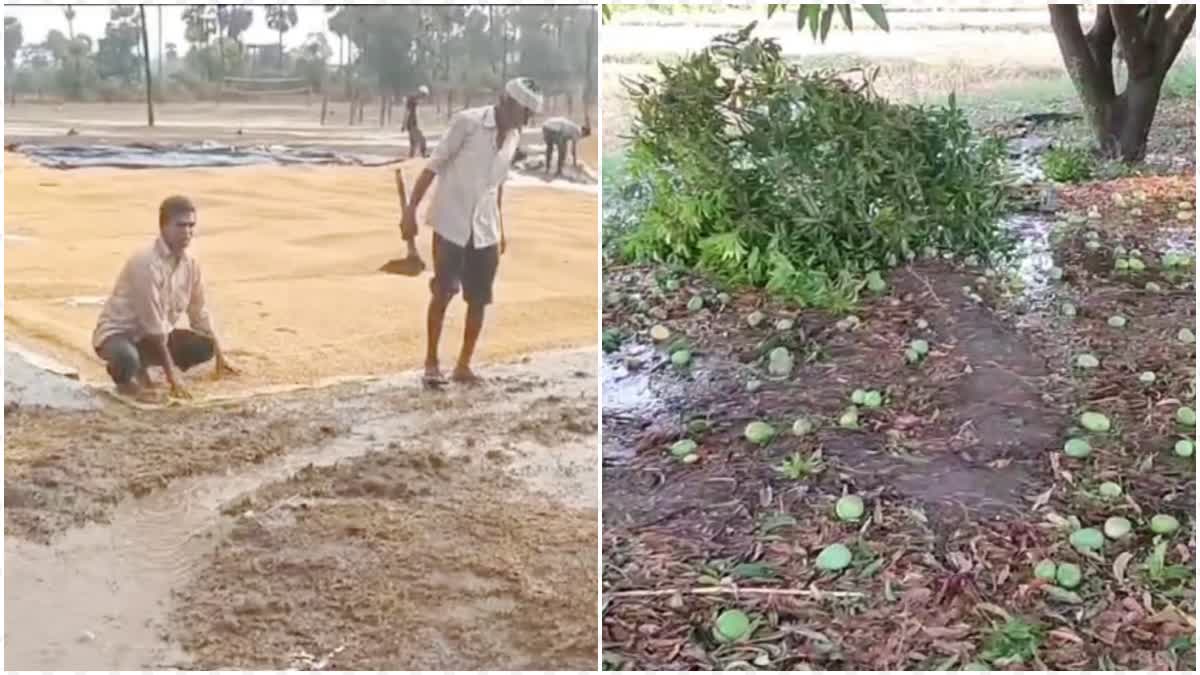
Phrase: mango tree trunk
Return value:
(1150, 37)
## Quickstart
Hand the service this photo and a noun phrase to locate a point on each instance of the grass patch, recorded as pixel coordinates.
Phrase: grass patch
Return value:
(1013, 643)
(1069, 164)
(1181, 80)
(799, 467)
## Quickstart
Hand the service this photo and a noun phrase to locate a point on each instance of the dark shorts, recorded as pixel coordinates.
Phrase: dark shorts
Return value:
(126, 359)
(554, 138)
(472, 269)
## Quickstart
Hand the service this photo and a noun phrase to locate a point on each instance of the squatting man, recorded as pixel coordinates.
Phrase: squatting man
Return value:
(158, 285)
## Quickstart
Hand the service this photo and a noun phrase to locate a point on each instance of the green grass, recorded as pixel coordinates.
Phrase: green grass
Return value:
(799, 467)
(1015, 642)
(1181, 79)
(1069, 164)
(612, 168)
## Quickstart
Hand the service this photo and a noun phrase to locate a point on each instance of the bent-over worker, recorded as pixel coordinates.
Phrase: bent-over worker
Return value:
(557, 132)
(157, 285)
(470, 164)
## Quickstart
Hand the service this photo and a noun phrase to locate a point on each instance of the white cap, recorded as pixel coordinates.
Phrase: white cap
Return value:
(525, 92)
(423, 90)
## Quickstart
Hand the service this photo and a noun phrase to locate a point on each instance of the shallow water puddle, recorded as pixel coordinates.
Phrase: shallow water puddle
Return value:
(626, 390)
(628, 402)
(97, 597)
(1034, 258)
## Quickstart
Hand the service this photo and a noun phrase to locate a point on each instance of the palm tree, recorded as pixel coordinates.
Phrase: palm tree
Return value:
(69, 12)
(160, 43)
(221, 36)
(146, 62)
(281, 18)
(13, 38)
(237, 21)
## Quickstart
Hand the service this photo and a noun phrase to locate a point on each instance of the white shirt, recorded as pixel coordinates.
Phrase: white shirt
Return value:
(152, 292)
(564, 127)
(470, 168)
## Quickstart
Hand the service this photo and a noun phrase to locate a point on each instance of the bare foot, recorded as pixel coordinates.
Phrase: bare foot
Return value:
(150, 396)
(433, 376)
(143, 380)
(464, 375)
(140, 393)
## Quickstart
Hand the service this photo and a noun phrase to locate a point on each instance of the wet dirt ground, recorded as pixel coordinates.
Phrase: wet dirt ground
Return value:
(961, 469)
(368, 525)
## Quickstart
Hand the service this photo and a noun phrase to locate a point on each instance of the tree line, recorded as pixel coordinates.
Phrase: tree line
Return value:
(378, 52)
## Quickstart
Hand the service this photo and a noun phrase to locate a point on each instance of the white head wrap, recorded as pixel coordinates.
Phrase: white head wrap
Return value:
(525, 92)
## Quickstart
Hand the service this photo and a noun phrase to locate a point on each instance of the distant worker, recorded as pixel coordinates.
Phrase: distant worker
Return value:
(416, 139)
(558, 132)
(470, 164)
(157, 285)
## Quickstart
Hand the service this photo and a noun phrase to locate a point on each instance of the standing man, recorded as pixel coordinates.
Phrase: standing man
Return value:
(558, 132)
(471, 164)
(158, 284)
(416, 139)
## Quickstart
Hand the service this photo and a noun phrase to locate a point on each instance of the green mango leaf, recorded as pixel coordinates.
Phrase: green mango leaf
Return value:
(752, 571)
(847, 16)
(878, 16)
(826, 22)
(1063, 595)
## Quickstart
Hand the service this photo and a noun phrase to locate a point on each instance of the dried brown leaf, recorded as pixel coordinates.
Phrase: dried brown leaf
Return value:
(995, 610)
(957, 631)
(1120, 565)
(1043, 499)
(1064, 634)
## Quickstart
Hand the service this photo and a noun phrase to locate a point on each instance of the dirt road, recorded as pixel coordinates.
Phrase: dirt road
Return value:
(370, 525)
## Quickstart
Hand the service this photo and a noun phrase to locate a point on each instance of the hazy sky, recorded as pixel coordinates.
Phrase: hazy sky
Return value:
(37, 20)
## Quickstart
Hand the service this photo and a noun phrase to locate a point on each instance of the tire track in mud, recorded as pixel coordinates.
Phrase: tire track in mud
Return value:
(100, 595)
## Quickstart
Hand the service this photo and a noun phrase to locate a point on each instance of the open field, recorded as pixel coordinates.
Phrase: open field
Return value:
(997, 62)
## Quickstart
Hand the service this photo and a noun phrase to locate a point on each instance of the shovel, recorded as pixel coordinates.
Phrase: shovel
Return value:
(411, 264)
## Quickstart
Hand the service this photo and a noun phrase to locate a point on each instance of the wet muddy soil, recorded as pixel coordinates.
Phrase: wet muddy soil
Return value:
(405, 560)
(368, 525)
(961, 469)
(959, 430)
(67, 468)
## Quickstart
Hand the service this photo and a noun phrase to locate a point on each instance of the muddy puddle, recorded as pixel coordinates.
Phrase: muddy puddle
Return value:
(100, 596)
(628, 405)
(1033, 260)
